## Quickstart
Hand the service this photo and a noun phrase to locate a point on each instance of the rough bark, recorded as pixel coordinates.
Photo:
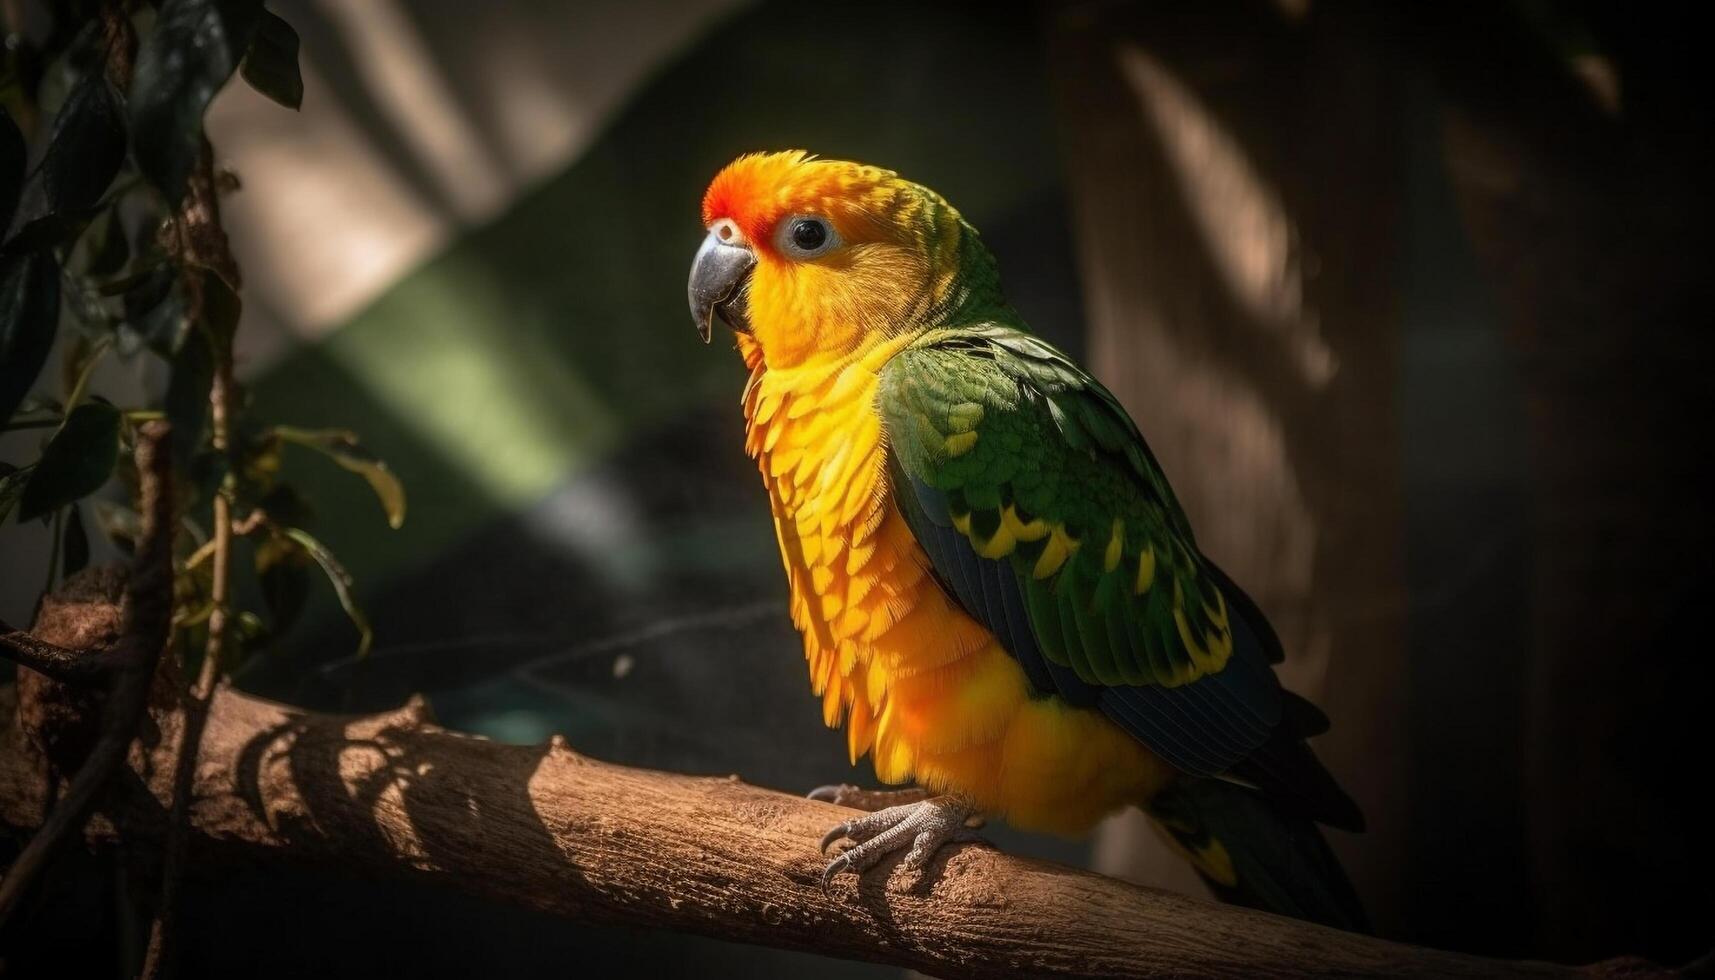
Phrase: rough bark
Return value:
(130, 636)
(548, 829)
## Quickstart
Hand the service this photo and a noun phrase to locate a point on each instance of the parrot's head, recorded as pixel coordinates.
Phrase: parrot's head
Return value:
(814, 258)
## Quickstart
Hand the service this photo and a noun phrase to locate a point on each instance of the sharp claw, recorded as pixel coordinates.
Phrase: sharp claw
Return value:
(826, 794)
(916, 858)
(839, 832)
(919, 828)
(833, 869)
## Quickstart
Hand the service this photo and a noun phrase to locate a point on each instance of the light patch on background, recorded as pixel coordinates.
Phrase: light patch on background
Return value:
(323, 223)
(1600, 78)
(550, 92)
(1246, 229)
(596, 518)
(512, 418)
(512, 726)
(402, 76)
(329, 223)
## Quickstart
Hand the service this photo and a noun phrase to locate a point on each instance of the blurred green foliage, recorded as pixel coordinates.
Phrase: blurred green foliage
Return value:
(113, 249)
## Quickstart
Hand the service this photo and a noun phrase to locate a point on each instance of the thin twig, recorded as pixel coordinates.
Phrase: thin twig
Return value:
(148, 613)
(81, 385)
(205, 244)
(162, 956)
(198, 227)
(120, 41)
(219, 591)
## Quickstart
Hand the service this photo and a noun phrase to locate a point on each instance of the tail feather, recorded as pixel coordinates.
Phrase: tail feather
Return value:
(1254, 852)
(1300, 718)
(1290, 774)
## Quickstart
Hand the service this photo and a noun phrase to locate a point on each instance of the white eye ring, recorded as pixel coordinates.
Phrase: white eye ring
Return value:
(727, 231)
(806, 236)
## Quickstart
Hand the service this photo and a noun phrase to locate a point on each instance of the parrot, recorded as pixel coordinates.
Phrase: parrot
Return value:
(998, 594)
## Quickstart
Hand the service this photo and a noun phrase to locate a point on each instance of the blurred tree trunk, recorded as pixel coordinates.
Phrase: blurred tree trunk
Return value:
(1239, 175)
(1234, 169)
(1579, 151)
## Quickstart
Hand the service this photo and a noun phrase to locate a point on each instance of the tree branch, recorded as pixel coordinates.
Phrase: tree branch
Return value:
(55, 662)
(548, 829)
(200, 232)
(146, 618)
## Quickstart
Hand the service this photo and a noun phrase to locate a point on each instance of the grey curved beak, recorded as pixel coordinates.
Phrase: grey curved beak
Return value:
(717, 285)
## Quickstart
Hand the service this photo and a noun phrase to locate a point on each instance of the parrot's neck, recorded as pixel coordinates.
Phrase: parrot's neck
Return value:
(814, 413)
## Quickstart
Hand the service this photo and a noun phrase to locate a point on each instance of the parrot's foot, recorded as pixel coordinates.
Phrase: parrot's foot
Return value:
(924, 825)
(868, 800)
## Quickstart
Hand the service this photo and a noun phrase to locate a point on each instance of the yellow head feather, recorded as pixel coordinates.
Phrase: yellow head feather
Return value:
(889, 266)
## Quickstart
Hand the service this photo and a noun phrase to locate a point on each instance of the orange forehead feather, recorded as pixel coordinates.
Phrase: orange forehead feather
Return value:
(758, 189)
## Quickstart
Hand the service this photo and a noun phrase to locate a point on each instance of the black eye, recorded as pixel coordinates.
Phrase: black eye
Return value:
(809, 234)
(805, 236)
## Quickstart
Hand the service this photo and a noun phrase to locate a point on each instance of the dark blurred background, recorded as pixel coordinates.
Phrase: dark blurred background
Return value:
(1410, 301)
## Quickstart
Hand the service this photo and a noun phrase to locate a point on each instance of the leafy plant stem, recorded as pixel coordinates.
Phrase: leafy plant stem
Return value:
(200, 555)
(76, 394)
(220, 399)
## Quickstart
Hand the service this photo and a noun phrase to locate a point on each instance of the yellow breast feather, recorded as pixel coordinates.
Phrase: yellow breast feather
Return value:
(923, 688)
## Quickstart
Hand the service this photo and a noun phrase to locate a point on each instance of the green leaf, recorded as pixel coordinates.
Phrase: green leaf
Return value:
(283, 568)
(29, 315)
(84, 153)
(342, 585)
(155, 311)
(103, 248)
(187, 403)
(79, 363)
(252, 631)
(76, 547)
(12, 159)
(12, 480)
(193, 50)
(271, 64)
(343, 447)
(158, 309)
(284, 505)
(77, 462)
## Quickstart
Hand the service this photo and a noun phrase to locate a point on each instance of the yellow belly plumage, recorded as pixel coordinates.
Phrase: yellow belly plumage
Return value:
(922, 687)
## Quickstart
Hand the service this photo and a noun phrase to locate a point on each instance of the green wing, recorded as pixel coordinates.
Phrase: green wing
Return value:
(1046, 517)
